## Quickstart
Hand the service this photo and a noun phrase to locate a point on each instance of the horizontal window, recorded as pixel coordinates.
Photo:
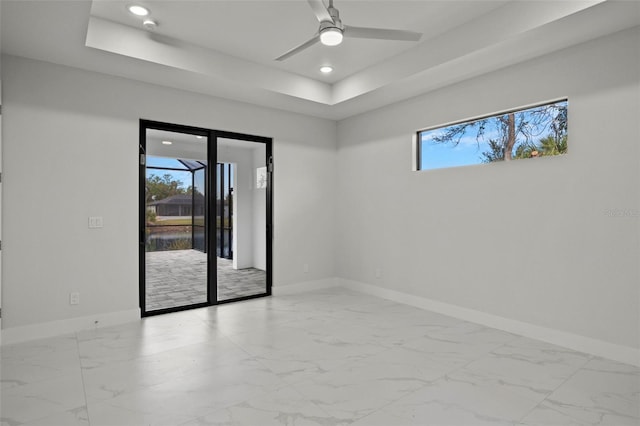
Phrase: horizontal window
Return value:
(534, 132)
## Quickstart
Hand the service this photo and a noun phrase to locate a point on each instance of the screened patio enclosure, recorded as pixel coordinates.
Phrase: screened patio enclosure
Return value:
(175, 204)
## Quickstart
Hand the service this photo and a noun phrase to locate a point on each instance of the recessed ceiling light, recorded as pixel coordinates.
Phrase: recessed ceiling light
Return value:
(199, 137)
(166, 142)
(326, 69)
(138, 10)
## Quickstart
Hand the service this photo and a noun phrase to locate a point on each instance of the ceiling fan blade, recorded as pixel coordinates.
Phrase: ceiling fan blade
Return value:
(380, 33)
(320, 10)
(299, 48)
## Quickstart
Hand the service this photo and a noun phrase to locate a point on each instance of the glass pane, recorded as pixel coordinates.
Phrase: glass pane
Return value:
(224, 190)
(175, 257)
(169, 199)
(191, 165)
(219, 207)
(241, 219)
(163, 162)
(226, 211)
(199, 240)
(535, 132)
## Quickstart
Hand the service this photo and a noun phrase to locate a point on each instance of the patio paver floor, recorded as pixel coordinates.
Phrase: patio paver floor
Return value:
(178, 278)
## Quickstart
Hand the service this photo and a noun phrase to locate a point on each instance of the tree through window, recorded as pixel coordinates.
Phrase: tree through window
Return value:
(534, 132)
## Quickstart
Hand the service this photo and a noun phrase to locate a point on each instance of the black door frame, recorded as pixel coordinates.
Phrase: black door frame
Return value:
(210, 222)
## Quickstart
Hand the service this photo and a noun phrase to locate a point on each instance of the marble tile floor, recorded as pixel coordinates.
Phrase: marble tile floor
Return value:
(178, 278)
(329, 357)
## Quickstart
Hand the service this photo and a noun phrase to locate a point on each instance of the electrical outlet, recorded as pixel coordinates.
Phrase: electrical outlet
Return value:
(305, 268)
(95, 222)
(74, 298)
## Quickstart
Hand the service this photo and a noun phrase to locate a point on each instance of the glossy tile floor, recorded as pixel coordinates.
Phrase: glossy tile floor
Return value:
(330, 357)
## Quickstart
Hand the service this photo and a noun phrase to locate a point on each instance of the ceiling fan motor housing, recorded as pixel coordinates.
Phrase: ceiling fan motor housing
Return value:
(335, 14)
(337, 23)
(325, 25)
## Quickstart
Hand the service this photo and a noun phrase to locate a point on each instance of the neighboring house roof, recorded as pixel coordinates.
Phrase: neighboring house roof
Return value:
(180, 199)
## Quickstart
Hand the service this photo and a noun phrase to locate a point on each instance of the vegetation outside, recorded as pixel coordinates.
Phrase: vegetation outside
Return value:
(530, 133)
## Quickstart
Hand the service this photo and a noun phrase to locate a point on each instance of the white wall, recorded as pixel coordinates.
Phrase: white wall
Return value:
(0, 190)
(71, 151)
(259, 215)
(243, 208)
(527, 240)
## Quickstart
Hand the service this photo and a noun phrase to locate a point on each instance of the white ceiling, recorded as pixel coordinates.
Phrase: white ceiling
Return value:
(182, 145)
(259, 31)
(192, 147)
(227, 48)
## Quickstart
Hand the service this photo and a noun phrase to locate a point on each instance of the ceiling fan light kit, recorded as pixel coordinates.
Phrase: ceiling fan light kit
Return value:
(330, 36)
(332, 31)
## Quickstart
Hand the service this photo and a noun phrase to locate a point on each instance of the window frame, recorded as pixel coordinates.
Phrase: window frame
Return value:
(418, 141)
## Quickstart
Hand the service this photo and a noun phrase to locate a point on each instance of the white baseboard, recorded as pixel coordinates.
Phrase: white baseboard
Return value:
(305, 286)
(56, 328)
(576, 342)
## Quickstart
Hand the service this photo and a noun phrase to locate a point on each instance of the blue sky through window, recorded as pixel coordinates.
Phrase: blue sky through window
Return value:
(441, 155)
(184, 177)
(470, 146)
(153, 161)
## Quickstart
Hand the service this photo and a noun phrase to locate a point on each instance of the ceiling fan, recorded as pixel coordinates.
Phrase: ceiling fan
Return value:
(332, 30)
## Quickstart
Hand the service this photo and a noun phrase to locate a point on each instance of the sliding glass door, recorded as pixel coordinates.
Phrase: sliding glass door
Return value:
(242, 216)
(175, 191)
(205, 217)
